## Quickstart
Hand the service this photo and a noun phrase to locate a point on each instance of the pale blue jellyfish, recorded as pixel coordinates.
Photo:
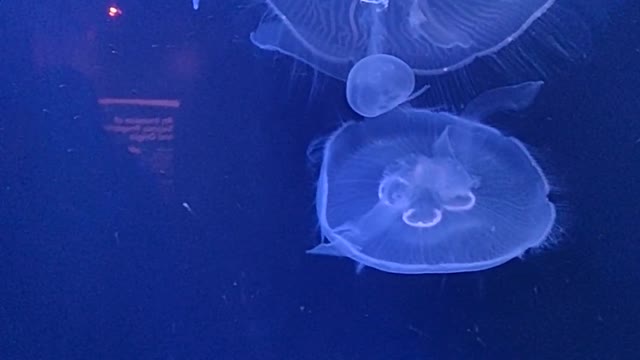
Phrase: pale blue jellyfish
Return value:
(379, 83)
(423, 37)
(415, 191)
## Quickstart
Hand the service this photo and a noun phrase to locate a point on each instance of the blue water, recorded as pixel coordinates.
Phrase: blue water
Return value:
(106, 252)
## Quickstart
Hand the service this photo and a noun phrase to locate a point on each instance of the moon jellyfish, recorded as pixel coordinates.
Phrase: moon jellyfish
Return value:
(415, 191)
(379, 83)
(432, 37)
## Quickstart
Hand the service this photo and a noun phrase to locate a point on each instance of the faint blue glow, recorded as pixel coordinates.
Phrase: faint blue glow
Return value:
(196, 4)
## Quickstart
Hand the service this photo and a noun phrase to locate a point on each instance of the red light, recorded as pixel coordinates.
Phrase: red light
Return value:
(114, 11)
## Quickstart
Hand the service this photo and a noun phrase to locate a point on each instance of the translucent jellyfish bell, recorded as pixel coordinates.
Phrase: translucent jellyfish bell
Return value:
(414, 191)
(379, 83)
(431, 36)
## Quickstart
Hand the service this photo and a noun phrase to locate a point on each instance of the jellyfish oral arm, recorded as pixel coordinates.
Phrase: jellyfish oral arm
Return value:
(325, 249)
(508, 98)
(196, 4)
(418, 93)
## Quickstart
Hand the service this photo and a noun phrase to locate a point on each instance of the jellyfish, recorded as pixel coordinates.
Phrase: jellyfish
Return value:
(368, 42)
(416, 191)
(379, 83)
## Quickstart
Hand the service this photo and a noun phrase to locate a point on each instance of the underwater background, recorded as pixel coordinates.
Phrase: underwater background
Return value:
(157, 200)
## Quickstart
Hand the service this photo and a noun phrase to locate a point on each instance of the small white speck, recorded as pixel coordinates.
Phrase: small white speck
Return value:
(186, 206)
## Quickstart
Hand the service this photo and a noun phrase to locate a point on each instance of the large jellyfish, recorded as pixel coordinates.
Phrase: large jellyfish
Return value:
(345, 38)
(415, 191)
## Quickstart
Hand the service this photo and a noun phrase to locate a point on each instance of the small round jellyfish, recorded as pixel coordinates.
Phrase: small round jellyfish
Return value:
(415, 191)
(379, 83)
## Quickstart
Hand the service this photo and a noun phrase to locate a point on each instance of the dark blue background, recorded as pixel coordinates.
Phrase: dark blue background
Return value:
(231, 280)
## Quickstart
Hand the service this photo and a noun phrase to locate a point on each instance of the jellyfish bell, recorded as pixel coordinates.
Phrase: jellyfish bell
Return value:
(415, 191)
(378, 83)
(434, 38)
